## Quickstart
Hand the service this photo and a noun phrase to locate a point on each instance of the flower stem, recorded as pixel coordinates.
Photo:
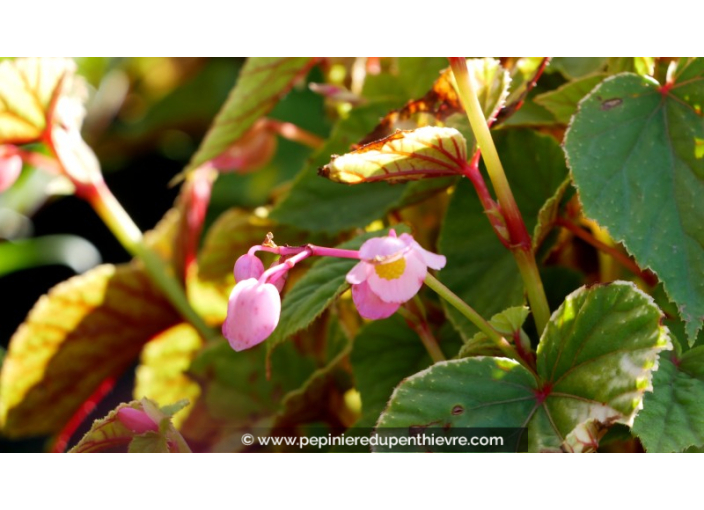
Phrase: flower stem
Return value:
(129, 235)
(420, 326)
(476, 319)
(521, 245)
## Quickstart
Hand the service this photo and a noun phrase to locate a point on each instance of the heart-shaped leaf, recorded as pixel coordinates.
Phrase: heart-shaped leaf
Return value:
(403, 156)
(633, 147)
(594, 363)
(86, 329)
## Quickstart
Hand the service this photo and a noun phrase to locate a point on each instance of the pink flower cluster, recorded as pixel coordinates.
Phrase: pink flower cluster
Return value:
(391, 270)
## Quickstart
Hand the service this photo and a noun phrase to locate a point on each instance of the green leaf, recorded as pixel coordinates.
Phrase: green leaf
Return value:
(577, 67)
(466, 393)
(85, 330)
(404, 156)
(232, 234)
(384, 353)
(262, 82)
(562, 102)
(111, 434)
(672, 418)
(310, 402)
(595, 360)
(509, 323)
(548, 214)
(594, 363)
(479, 268)
(632, 148)
(314, 292)
(235, 387)
(161, 374)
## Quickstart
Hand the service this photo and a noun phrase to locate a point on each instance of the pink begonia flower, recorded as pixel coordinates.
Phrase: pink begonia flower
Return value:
(10, 169)
(248, 266)
(253, 312)
(391, 271)
(137, 421)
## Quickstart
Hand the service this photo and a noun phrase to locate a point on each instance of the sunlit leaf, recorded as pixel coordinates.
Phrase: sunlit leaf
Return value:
(403, 156)
(262, 82)
(30, 88)
(86, 329)
(672, 418)
(441, 105)
(595, 361)
(161, 374)
(632, 148)
(114, 433)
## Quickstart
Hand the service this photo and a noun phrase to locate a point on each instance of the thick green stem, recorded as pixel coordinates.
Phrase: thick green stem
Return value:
(476, 319)
(129, 235)
(521, 245)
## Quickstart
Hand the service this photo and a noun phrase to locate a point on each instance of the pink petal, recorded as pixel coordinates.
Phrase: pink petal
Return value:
(10, 168)
(403, 288)
(248, 266)
(432, 260)
(383, 247)
(253, 312)
(369, 305)
(359, 273)
(135, 420)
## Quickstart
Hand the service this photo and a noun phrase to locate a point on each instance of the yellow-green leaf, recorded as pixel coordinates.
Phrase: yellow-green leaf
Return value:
(403, 156)
(29, 91)
(85, 330)
(161, 376)
(261, 83)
